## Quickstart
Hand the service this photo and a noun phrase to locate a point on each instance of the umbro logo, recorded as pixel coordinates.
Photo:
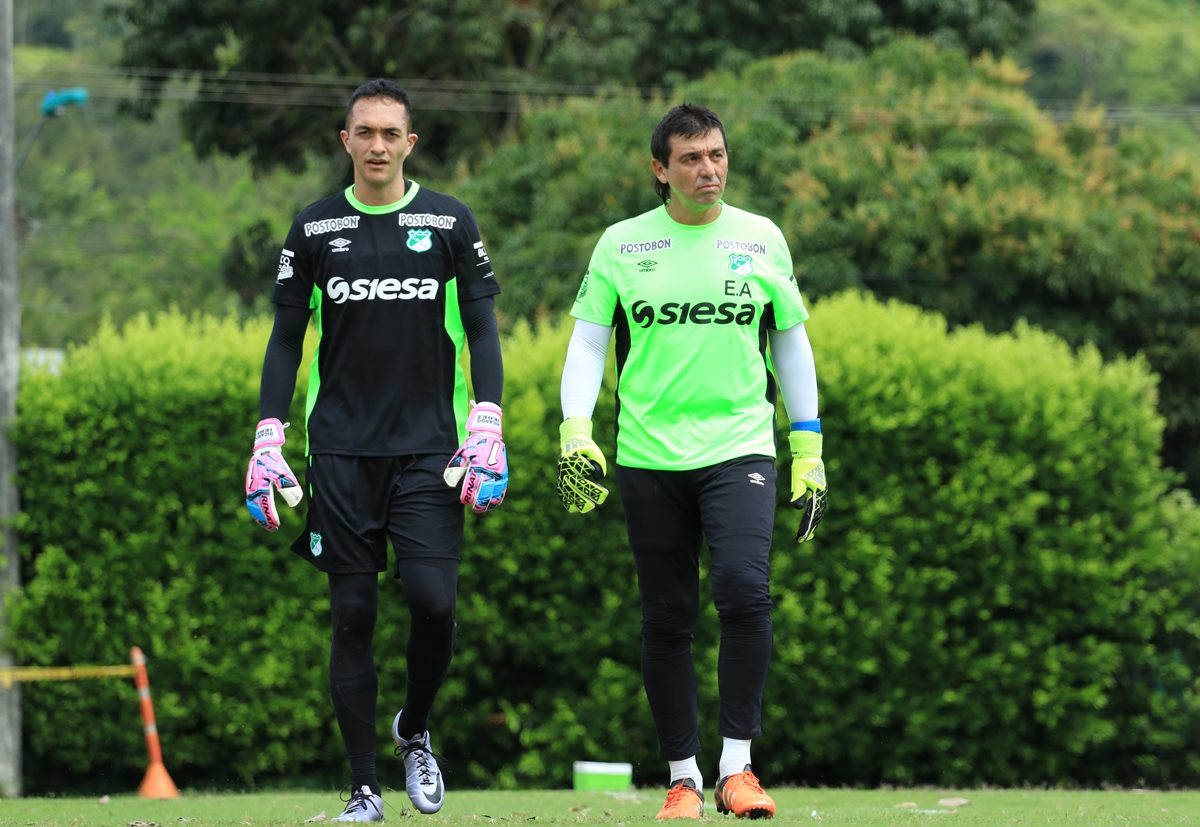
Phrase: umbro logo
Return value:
(647, 265)
(340, 245)
(757, 479)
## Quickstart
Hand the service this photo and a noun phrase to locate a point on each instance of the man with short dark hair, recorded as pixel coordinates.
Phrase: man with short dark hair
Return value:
(695, 290)
(398, 281)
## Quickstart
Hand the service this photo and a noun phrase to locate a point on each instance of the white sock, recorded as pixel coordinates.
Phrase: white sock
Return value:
(735, 755)
(687, 768)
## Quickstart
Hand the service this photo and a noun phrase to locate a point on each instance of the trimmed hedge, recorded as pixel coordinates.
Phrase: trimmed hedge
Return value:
(133, 532)
(1000, 592)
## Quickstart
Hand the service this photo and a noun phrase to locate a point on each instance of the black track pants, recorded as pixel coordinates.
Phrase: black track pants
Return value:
(668, 514)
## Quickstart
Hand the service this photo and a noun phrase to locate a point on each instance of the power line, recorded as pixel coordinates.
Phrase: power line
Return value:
(503, 95)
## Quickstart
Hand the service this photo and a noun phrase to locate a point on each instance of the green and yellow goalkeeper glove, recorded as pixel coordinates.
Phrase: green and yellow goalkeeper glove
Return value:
(808, 480)
(581, 459)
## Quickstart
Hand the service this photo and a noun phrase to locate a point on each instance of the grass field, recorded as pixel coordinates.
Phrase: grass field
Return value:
(824, 807)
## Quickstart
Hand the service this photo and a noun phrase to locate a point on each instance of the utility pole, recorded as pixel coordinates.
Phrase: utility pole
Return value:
(10, 366)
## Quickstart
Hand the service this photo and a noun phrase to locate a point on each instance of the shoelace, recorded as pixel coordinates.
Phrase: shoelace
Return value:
(751, 781)
(749, 784)
(420, 750)
(676, 794)
(358, 800)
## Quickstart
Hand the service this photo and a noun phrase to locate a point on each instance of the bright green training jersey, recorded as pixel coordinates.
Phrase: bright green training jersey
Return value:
(692, 306)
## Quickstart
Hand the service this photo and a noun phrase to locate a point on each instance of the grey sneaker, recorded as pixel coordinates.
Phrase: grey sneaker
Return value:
(363, 805)
(423, 779)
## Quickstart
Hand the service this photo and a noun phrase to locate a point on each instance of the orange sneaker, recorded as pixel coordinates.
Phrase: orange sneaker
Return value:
(683, 801)
(742, 795)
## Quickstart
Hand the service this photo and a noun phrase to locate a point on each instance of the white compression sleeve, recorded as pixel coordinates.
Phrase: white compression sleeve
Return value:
(796, 371)
(583, 371)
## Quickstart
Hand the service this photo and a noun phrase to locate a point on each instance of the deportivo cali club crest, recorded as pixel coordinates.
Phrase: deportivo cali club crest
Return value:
(314, 543)
(419, 241)
(741, 264)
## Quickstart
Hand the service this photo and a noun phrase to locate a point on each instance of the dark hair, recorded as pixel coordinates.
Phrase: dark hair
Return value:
(686, 120)
(380, 88)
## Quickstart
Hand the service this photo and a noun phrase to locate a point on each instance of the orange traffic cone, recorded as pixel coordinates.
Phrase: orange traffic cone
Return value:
(157, 782)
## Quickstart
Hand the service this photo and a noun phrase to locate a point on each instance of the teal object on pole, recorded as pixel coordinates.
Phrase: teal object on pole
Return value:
(53, 105)
(56, 100)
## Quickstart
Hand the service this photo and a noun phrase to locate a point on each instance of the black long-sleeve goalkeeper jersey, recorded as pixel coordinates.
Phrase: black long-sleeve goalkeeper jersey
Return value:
(384, 284)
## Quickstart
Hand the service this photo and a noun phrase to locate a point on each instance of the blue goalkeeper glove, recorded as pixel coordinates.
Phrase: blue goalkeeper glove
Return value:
(808, 480)
(581, 459)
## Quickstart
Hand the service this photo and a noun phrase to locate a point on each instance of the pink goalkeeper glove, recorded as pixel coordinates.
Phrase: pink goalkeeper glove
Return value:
(268, 470)
(481, 464)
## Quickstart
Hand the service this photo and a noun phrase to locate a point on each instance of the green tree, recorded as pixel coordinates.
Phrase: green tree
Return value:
(45, 23)
(250, 254)
(272, 76)
(87, 253)
(1138, 58)
(119, 217)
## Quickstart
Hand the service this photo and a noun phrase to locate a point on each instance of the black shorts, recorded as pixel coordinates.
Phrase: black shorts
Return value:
(356, 503)
(731, 505)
